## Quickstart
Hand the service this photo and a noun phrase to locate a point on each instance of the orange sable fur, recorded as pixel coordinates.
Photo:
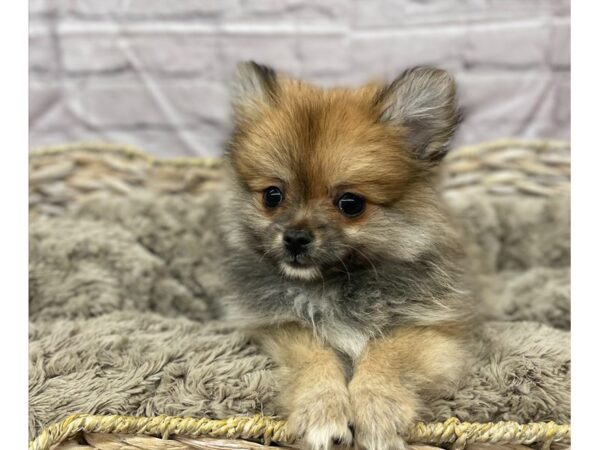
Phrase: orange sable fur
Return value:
(371, 321)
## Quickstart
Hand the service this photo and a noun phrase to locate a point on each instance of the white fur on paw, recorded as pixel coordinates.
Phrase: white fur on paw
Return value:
(322, 422)
(328, 436)
(380, 421)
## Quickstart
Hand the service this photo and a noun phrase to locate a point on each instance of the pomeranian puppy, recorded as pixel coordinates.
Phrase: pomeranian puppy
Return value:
(343, 262)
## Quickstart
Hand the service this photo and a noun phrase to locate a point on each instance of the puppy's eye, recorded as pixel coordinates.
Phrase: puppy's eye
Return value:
(351, 205)
(272, 197)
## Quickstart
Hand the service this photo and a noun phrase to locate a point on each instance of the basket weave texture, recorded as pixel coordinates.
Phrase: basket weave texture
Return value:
(59, 176)
(179, 433)
(62, 175)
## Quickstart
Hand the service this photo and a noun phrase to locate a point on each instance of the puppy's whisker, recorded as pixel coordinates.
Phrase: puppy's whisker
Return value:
(345, 268)
(320, 275)
(268, 252)
(365, 257)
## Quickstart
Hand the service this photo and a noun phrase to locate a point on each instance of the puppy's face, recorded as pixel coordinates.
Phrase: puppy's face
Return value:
(331, 179)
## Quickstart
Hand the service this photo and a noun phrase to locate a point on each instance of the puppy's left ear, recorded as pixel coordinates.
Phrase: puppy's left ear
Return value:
(423, 102)
(254, 86)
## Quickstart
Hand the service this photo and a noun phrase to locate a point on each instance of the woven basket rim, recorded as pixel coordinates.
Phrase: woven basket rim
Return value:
(451, 431)
(135, 152)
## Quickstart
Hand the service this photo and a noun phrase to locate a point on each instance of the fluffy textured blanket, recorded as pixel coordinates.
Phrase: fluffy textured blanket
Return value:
(125, 312)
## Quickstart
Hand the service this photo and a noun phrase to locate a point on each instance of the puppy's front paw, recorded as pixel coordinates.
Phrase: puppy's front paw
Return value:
(321, 417)
(381, 416)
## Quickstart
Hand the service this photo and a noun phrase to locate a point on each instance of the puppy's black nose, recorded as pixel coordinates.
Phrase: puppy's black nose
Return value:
(297, 241)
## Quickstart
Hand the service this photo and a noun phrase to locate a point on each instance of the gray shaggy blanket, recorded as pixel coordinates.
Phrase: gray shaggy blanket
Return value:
(124, 313)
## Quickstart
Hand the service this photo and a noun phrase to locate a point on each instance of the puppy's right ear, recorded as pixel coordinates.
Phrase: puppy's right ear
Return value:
(423, 102)
(254, 86)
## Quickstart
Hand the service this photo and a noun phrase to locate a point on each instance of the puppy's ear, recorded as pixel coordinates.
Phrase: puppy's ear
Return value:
(254, 85)
(423, 102)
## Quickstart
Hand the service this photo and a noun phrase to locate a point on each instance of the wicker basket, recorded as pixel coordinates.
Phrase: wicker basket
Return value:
(59, 176)
(64, 175)
(85, 431)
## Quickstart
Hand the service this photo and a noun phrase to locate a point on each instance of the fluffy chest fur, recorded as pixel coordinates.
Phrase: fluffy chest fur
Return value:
(320, 311)
(348, 309)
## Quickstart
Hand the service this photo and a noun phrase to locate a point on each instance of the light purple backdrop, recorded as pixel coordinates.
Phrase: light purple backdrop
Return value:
(154, 73)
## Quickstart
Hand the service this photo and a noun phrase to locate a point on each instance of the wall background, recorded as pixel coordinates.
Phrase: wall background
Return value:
(154, 73)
